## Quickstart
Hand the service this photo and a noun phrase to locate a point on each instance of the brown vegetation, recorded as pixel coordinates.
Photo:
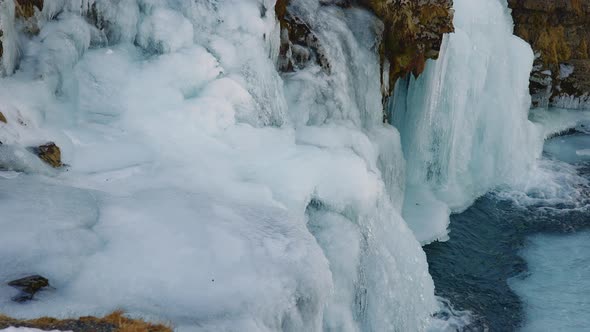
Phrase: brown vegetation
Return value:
(115, 322)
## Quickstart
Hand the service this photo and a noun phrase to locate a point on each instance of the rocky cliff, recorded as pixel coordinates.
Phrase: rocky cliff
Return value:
(559, 32)
(413, 32)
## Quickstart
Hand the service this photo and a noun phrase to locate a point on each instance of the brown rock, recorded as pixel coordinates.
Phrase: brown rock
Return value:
(50, 153)
(3, 118)
(559, 33)
(26, 8)
(413, 33)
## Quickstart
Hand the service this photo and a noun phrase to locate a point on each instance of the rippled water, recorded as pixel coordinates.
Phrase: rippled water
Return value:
(473, 269)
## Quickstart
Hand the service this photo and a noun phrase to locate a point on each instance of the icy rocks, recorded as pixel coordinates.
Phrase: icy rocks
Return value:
(559, 32)
(28, 286)
(26, 8)
(49, 153)
(299, 45)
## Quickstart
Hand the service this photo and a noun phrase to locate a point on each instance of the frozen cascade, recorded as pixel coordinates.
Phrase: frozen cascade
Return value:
(203, 188)
(464, 122)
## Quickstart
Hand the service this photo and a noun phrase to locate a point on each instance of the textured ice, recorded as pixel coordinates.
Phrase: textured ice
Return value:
(464, 122)
(203, 188)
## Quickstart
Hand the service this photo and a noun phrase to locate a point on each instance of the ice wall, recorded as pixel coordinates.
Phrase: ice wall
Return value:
(203, 188)
(463, 123)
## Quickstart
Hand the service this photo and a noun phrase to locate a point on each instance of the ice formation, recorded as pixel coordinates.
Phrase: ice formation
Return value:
(464, 123)
(203, 188)
(206, 189)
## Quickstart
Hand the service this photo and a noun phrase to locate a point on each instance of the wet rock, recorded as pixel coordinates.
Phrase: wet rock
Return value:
(28, 286)
(49, 153)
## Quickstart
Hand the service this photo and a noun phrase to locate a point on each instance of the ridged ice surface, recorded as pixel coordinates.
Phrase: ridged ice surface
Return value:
(203, 188)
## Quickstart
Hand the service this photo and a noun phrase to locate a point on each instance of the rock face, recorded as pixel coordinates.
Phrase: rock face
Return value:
(559, 32)
(413, 32)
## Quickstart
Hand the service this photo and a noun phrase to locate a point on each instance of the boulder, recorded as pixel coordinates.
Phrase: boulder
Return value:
(49, 153)
(28, 287)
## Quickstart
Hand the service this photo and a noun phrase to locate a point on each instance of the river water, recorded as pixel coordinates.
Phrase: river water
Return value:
(519, 260)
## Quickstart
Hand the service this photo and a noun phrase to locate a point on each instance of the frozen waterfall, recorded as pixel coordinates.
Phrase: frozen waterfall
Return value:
(206, 189)
(464, 122)
(203, 188)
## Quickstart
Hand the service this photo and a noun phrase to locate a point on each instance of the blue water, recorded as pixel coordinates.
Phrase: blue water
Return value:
(487, 251)
(556, 288)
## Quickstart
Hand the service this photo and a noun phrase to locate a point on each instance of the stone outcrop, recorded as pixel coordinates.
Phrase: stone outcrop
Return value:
(299, 45)
(559, 33)
(413, 32)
